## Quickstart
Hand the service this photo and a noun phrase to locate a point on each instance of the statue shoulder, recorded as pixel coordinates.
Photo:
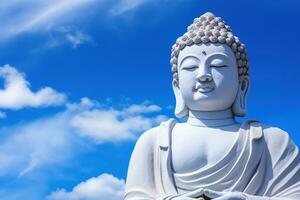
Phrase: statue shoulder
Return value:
(280, 147)
(278, 140)
(275, 134)
(149, 138)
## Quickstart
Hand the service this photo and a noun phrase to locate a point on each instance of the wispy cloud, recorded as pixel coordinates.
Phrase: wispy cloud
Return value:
(45, 18)
(124, 6)
(104, 186)
(142, 108)
(31, 15)
(68, 35)
(52, 12)
(41, 142)
(17, 94)
(77, 38)
(36, 17)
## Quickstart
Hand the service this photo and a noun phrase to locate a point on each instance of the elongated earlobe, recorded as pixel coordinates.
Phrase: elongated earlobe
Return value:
(181, 109)
(239, 107)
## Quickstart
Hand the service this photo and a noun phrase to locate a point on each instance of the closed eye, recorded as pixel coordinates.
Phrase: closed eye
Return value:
(218, 66)
(191, 67)
(218, 63)
(189, 63)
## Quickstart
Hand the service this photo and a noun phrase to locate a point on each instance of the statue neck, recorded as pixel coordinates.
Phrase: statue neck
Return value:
(211, 118)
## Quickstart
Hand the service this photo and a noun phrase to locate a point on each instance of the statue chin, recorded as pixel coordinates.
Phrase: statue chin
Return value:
(211, 156)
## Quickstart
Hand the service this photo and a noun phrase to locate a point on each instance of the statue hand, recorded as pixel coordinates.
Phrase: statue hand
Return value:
(224, 195)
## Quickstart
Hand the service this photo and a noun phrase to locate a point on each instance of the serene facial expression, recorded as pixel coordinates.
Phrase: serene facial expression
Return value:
(208, 77)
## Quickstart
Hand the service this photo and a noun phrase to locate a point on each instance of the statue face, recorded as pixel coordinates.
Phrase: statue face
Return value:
(207, 77)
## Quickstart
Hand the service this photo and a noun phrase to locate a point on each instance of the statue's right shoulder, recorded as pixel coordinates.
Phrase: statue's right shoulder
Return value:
(158, 133)
(148, 136)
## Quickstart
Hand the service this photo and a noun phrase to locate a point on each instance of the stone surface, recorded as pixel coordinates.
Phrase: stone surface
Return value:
(211, 156)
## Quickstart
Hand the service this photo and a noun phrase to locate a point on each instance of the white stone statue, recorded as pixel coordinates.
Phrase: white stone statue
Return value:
(211, 156)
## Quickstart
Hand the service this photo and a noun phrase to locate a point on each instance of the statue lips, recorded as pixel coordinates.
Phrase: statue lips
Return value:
(204, 88)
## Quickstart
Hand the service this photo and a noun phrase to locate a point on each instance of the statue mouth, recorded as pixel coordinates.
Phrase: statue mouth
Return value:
(204, 88)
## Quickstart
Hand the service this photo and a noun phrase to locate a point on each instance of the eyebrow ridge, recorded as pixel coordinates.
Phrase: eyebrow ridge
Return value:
(217, 53)
(188, 57)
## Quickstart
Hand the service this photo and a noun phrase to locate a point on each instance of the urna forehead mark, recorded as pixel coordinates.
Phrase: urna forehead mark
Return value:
(204, 53)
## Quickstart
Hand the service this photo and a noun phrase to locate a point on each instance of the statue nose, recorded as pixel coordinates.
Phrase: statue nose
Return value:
(204, 76)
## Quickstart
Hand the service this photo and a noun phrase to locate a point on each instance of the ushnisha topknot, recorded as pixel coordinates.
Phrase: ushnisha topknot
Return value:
(209, 28)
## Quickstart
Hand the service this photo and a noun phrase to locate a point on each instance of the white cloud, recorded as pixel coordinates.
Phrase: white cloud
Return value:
(52, 140)
(124, 6)
(17, 94)
(27, 146)
(35, 16)
(77, 38)
(142, 108)
(68, 35)
(46, 17)
(103, 187)
(104, 125)
(31, 15)
(52, 12)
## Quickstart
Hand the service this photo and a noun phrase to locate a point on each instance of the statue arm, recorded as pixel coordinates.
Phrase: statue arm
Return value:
(140, 178)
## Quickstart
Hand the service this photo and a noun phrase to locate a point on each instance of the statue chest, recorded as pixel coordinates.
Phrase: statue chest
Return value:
(197, 147)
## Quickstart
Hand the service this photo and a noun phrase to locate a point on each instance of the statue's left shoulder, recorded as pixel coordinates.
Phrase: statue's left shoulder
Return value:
(275, 134)
(278, 142)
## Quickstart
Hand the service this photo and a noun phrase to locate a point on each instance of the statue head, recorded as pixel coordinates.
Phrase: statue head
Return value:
(210, 68)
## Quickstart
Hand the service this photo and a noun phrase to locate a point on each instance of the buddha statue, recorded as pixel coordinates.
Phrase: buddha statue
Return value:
(211, 155)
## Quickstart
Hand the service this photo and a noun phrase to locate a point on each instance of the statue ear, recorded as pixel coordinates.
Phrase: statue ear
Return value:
(181, 109)
(239, 107)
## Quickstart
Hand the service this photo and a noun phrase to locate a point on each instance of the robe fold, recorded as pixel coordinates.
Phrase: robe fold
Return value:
(262, 162)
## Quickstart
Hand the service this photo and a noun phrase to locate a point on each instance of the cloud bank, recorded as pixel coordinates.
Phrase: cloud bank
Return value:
(40, 142)
(52, 140)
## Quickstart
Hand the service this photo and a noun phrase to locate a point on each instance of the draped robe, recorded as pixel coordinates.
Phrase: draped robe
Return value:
(263, 162)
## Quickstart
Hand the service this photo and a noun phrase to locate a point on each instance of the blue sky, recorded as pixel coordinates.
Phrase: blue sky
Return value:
(81, 79)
